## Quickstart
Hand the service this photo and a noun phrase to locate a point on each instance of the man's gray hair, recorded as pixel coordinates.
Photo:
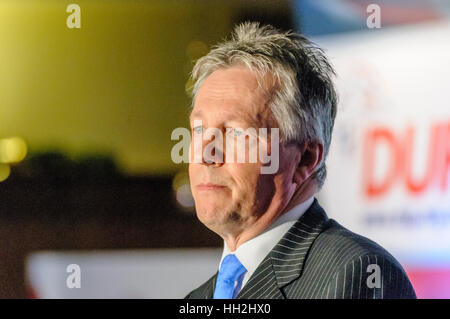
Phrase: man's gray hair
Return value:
(304, 102)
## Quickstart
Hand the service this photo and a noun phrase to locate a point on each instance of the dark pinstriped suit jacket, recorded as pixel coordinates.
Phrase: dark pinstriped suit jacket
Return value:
(318, 258)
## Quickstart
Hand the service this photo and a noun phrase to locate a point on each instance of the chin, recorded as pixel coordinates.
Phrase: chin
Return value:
(210, 216)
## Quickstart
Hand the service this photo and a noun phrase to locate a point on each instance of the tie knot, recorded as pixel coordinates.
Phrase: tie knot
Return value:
(231, 268)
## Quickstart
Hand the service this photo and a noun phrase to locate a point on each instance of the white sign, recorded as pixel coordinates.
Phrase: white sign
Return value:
(389, 162)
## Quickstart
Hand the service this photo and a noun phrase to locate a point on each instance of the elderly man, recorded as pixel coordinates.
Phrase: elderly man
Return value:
(278, 241)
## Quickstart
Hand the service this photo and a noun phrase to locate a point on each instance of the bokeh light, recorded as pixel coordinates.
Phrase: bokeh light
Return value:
(184, 196)
(12, 150)
(182, 189)
(5, 170)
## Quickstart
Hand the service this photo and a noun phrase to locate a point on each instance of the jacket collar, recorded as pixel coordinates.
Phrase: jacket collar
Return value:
(285, 261)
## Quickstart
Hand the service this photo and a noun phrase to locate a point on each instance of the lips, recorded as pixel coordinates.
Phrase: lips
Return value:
(209, 186)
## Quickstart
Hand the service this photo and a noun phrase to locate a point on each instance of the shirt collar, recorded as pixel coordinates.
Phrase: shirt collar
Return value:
(252, 252)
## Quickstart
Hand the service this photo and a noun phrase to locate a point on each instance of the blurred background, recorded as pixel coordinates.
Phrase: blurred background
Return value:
(86, 116)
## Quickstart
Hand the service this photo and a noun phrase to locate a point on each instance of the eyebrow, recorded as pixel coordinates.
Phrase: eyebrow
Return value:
(230, 118)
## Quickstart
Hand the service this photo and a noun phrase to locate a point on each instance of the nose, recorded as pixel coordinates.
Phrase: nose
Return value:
(212, 152)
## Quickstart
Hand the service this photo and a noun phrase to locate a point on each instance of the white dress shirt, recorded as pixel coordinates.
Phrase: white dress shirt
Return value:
(252, 252)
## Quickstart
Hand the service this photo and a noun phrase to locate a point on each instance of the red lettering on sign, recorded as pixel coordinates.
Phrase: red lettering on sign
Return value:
(373, 139)
(401, 160)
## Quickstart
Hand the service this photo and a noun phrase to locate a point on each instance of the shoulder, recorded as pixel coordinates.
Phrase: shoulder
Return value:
(339, 240)
(205, 291)
(357, 267)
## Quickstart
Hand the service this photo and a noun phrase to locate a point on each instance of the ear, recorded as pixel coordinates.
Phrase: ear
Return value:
(311, 156)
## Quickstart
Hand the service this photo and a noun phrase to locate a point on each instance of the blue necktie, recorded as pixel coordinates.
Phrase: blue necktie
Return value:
(230, 271)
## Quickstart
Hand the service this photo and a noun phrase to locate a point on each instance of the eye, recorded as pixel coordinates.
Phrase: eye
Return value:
(236, 132)
(198, 129)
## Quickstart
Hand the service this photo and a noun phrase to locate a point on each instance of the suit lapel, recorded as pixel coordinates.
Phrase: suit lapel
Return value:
(205, 291)
(262, 284)
(285, 261)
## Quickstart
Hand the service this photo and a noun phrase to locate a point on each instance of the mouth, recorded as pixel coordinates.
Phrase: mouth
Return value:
(210, 187)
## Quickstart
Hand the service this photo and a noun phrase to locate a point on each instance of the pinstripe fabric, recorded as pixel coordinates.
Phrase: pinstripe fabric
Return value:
(318, 258)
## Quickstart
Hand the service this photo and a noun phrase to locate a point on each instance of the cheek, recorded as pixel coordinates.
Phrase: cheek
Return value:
(245, 178)
(191, 171)
(195, 149)
(193, 174)
(254, 191)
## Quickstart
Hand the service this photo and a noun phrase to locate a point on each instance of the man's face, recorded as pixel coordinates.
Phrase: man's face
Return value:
(231, 98)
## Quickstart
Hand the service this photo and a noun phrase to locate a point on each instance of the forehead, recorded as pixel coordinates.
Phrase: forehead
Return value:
(233, 92)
